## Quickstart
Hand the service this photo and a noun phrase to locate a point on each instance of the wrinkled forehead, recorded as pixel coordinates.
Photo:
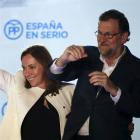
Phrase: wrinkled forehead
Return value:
(110, 25)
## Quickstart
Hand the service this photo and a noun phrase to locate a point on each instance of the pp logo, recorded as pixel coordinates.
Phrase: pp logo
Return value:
(13, 29)
(3, 108)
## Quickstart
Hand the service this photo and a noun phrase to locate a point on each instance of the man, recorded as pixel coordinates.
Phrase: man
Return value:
(107, 94)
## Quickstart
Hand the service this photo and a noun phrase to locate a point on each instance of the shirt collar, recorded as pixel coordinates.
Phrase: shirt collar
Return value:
(116, 60)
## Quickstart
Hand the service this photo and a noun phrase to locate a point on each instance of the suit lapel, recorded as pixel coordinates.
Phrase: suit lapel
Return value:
(121, 70)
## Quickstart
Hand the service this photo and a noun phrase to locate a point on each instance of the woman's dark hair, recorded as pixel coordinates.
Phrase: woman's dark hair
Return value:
(41, 54)
(115, 14)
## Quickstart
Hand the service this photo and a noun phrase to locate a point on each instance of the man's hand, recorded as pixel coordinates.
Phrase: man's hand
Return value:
(72, 53)
(131, 128)
(98, 78)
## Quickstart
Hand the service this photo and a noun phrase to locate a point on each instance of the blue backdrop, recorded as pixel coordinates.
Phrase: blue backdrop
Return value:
(56, 25)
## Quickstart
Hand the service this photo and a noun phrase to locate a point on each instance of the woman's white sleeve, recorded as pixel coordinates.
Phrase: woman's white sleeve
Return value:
(6, 80)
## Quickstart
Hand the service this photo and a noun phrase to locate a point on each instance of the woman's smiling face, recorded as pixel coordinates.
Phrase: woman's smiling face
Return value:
(33, 71)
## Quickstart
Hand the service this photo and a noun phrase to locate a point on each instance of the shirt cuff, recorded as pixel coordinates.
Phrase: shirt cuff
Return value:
(117, 97)
(55, 69)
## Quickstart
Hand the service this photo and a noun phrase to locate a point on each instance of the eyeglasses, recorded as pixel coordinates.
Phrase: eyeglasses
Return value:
(108, 35)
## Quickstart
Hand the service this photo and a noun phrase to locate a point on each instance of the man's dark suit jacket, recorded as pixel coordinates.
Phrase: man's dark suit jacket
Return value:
(109, 121)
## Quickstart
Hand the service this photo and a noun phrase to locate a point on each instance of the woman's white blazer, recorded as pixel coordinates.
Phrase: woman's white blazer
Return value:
(21, 99)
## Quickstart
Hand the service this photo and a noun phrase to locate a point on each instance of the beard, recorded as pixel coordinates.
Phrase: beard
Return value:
(108, 53)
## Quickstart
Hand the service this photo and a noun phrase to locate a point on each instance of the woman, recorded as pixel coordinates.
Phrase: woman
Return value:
(37, 107)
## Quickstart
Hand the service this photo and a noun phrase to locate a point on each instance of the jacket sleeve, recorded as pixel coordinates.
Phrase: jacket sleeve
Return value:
(70, 72)
(6, 80)
(129, 101)
(73, 70)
